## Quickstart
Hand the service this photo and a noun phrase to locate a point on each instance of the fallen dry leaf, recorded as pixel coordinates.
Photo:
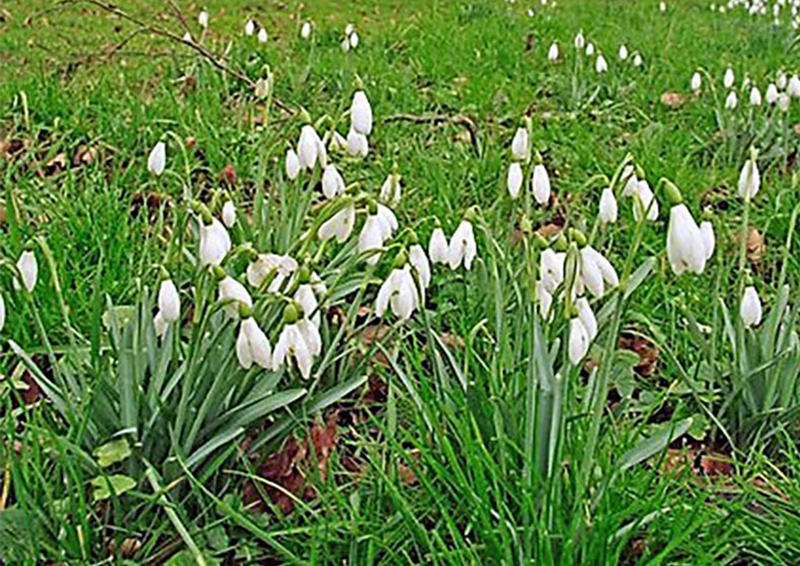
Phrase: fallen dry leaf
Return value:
(645, 349)
(673, 100)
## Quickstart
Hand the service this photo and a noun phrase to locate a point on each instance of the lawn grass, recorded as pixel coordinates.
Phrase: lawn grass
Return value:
(442, 475)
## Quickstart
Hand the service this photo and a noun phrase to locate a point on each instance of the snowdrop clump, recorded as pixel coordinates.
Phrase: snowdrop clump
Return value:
(351, 38)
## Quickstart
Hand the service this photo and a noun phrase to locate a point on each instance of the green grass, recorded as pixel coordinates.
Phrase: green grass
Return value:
(459, 416)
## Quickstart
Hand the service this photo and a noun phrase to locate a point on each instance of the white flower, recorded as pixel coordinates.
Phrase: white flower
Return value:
(772, 93)
(345, 44)
(755, 96)
(202, 19)
(2, 313)
(514, 180)
(608, 206)
(732, 101)
(600, 65)
(578, 341)
(339, 225)
(349, 29)
(388, 220)
(361, 113)
(307, 299)
(590, 49)
(750, 309)
(258, 271)
(187, 37)
(338, 142)
(371, 238)
(783, 102)
(520, 145)
(262, 36)
(686, 248)
(229, 214)
(291, 342)
(697, 81)
(462, 246)
(794, 86)
(782, 80)
(292, 164)
(357, 144)
(644, 201)
(623, 52)
(169, 302)
(596, 271)
(438, 246)
(729, 78)
(749, 180)
(419, 261)
(215, 243)
(552, 54)
(252, 345)
(580, 41)
(308, 147)
(160, 324)
(28, 270)
(157, 159)
(662, 7)
(552, 269)
(637, 60)
(707, 235)
(545, 300)
(399, 293)
(391, 191)
(354, 40)
(587, 317)
(541, 184)
(332, 182)
(305, 31)
(249, 27)
(233, 293)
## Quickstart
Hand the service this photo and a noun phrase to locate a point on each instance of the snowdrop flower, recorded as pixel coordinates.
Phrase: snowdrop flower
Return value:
(262, 36)
(169, 302)
(229, 214)
(159, 324)
(520, 145)
(600, 65)
(157, 159)
(292, 164)
(662, 7)
(729, 78)
(578, 341)
(608, 206)
(587, 317)
(308, 147)
(305, 31)
(306, 298)
(28, 270)
(2, 313)
(545, 300)
(361, 113)
(772, 93)
(552, 269)
(686, 248)
(462, 246)
(514, 180)
(644, 200)
(750, 309)
(202, 19)
(755, 96)
(697, 82)
(783, 102)
(345, 44)
(340, 225)
(391, 191)
(354, 40)
(552, 54)
(371, 238)
(265, 264)
(249, 27)
(707, 234)
(794, 86)
(399, 293)
(438, 246)
(419, 261)
(292, 342)
(731, 101)
(357, 144)
(541, 185)
(589, 49)
(338, 142)
(387, 219)
(749, 180)
(623, 52)
(234, 294)
(782, 81)
(215, 243)
(332, 182)
(596, 271)
(637, 60)
(252, 345)
(579, 40)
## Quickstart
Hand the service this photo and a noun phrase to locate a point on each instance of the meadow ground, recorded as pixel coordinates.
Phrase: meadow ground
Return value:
(486, 417)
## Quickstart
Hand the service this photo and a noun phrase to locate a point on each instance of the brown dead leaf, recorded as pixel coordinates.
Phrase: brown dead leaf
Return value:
(797, 129)
(645, 349)
(85, 155)
(227, 176)
(372, 334)
(755, 244)
(11, 148)
(452, 341)
(150, 201)
(549, 230)
(673, 100)
(55, 165)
